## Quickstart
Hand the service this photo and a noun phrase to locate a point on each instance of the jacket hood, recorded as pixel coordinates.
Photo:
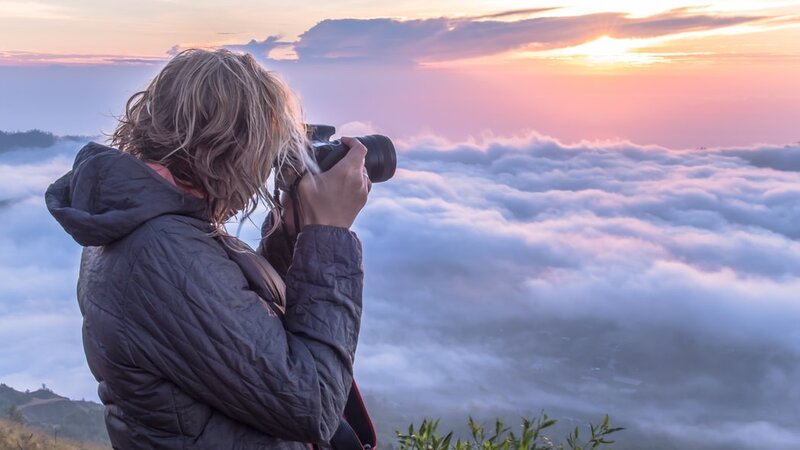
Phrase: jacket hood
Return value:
(109, 193)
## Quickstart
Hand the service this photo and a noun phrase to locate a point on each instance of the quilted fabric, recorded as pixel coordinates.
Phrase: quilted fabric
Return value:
(186, 355)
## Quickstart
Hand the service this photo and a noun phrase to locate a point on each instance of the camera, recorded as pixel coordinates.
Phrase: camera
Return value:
(381, 159)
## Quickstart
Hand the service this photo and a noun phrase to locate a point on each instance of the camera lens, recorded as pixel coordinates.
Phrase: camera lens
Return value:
(381, 159)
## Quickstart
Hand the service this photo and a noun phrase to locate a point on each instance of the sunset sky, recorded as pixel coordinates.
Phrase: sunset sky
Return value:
(670, 72)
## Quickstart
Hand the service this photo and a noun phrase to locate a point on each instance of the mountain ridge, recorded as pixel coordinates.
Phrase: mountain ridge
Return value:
(33, 139)
(49, 412)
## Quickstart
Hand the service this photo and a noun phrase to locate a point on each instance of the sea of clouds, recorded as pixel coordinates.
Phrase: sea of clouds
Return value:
(506, 276)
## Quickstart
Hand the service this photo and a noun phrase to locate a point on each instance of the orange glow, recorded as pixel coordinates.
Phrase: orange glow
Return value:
(606, 50)
(602, 51)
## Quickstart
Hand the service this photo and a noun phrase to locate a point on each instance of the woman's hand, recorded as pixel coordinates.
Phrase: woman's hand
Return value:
(334, 197)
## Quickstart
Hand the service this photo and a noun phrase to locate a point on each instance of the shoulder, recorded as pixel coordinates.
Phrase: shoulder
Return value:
(171, 233)
(180, 269)
(170, 248)
(175, 224)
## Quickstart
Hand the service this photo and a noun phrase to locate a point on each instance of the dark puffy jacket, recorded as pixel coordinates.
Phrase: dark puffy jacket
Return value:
(186, 354)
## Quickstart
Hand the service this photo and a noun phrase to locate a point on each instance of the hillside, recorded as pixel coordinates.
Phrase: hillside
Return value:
(15, 436)
(56, 415)
(26, 139)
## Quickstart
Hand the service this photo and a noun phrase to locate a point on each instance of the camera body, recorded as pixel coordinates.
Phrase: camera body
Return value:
(381, 158)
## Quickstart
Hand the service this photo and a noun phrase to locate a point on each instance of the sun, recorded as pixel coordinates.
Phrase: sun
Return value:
(606, 50)
(603, 51)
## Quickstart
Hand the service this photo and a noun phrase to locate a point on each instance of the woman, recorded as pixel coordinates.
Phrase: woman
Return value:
(190, 349)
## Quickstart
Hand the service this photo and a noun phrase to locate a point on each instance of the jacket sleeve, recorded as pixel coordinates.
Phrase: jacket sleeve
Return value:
(197, 323)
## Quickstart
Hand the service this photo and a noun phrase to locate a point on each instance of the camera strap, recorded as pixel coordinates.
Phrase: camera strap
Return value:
(292, 192)
(296, 203)
(355, 431)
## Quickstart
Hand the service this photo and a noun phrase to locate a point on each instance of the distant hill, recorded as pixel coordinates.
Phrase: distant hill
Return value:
(83, 421)
(16, 436)
(26, 139)
(30, 139)
(56, 415)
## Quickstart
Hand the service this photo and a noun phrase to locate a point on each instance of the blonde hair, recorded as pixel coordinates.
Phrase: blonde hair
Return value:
(219, 122)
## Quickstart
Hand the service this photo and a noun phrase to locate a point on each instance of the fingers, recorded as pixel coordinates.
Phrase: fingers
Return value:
(356, 155)
(365, 177)
(350, 170)
(353, 163)
(336, 196)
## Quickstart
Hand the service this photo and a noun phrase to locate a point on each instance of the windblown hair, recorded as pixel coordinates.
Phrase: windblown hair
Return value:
(219, 122)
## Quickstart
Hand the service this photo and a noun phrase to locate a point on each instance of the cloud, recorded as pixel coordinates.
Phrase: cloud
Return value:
(260, 49)
(509, 275)
(444, 38)
(655, 285)
(785, 158)
(438, 38)
(515, 12)
(20, 58)
(40, 325)
(677, 21)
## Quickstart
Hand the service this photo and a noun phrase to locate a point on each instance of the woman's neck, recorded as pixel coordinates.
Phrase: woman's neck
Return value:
(164, 172)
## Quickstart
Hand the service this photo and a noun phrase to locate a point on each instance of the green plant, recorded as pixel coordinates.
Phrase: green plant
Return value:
(532, 437)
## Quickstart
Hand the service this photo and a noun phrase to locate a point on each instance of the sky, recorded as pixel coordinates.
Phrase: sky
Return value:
(595, 209)
(671, 73)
